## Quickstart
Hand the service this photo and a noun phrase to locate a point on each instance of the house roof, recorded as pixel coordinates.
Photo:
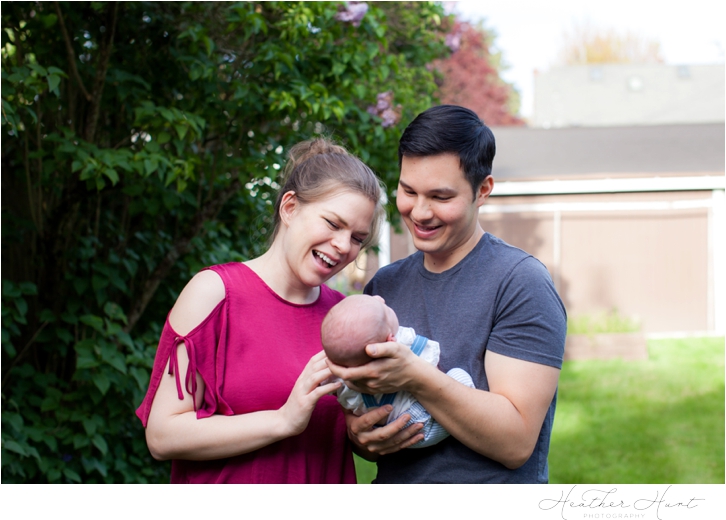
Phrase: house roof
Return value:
(605, 152)
(628, 94)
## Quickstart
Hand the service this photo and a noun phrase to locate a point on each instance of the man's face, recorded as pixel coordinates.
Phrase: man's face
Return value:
(439, 208)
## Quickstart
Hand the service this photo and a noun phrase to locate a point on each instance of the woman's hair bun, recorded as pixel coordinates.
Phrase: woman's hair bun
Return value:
(304, 150)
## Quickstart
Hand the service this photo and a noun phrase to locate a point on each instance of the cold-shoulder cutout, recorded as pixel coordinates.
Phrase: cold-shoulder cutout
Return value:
(197, 301)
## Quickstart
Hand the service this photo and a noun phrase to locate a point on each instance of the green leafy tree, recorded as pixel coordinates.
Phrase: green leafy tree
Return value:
(140, 142)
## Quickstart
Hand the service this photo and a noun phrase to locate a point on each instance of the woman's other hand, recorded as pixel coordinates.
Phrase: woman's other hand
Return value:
(305, 394)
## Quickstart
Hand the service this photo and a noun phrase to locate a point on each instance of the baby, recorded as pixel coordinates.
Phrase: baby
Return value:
(360, 320)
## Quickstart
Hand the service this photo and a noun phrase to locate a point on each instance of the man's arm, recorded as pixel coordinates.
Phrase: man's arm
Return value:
(502, 423)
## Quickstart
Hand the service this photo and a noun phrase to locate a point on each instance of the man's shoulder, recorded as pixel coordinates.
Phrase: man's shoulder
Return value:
(501, 250)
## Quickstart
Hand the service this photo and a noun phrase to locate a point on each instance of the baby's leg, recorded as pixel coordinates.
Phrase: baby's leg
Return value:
(462, 376)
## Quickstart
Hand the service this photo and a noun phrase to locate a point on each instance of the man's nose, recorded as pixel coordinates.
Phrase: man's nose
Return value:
(421, 210)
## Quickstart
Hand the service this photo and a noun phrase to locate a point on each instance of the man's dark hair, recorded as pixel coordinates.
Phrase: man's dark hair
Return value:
(455, 130)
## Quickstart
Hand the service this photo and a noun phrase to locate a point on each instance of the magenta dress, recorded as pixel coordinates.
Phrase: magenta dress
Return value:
(250, 351)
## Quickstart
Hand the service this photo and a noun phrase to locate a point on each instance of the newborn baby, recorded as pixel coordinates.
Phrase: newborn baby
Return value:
(361, 320)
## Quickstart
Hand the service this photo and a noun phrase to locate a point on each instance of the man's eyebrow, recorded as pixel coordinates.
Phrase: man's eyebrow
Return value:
(436, 191)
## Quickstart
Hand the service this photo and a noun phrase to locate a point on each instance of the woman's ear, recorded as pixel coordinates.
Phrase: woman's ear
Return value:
(288, 205)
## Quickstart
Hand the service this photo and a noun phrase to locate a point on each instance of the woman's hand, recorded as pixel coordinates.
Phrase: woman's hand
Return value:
(371, 442)
(296, 412)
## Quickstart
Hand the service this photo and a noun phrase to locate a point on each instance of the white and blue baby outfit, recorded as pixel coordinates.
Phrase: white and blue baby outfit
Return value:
(404, 402)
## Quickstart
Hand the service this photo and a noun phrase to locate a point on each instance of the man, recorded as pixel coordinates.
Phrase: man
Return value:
(492, 307)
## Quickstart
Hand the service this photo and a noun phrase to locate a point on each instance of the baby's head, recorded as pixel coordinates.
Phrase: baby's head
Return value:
(355, 322)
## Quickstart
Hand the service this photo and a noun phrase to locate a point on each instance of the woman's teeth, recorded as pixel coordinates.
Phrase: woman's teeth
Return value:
(326, 259)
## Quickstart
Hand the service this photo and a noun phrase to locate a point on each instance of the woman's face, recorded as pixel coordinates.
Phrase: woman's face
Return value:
(324, 236)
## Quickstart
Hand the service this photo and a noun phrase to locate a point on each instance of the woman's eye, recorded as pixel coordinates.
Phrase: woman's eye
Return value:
(358, 240)
(334, 226)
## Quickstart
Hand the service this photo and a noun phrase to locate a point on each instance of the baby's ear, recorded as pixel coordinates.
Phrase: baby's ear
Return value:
(391, 337)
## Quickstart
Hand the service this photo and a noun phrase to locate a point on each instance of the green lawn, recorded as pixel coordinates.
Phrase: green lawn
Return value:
(654, 421)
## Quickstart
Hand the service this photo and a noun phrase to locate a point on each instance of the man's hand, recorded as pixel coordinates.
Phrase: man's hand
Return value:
(391, 370)
(370, 442)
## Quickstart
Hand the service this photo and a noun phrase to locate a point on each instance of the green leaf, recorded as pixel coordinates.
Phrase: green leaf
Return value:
(80, 285)
(51, 442)
(21, 305)
(141, 376)
(49, 403)
(28, 288)
(100, 443)
(113, 357)
(10, 290)
(149, 167)
(112, 175)
(7, 346)
(47, 315)
(38, 68)
(114, 311)
(15, 447)
(49, 21)
(64, 335)
(93, 321)
(90, 426)
(53, 82)
(71, 475)
(181, 130)
(15, 420)
(102, 382)
(99, 282)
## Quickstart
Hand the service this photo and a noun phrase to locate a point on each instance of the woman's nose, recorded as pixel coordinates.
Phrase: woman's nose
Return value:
(341, 243)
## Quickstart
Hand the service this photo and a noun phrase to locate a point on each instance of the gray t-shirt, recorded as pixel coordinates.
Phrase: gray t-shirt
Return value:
(497, 298)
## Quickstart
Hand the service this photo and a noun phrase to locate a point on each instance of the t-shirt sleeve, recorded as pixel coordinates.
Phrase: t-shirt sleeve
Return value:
(530, 322)
(202, 345)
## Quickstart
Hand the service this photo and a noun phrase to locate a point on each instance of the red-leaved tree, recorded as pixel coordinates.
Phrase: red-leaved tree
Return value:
(471, 78)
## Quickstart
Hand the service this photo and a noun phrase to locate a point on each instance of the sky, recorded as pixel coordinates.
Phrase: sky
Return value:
(530, 33)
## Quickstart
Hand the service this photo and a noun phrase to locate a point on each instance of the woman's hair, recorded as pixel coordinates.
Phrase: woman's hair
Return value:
(318, 168)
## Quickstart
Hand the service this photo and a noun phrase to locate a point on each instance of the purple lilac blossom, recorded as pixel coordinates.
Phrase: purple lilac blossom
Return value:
(453, 41)
(353, 12)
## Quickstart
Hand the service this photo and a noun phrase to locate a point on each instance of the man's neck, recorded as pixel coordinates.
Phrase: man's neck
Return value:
(440, 262)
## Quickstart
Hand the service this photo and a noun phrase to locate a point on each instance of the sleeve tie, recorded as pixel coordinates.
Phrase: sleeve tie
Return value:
(190, 379)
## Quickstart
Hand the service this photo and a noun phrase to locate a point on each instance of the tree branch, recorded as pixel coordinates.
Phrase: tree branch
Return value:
(71, 54)
(180, 248)
(22, 352)
(100, 79)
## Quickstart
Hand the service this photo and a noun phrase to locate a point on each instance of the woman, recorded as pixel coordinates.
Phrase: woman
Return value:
(236, 392)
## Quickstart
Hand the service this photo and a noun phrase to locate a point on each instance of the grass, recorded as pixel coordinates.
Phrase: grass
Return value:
(364, 470)
(602, 323)
(638, 422)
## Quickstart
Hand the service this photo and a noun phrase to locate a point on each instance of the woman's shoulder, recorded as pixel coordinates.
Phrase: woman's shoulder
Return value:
(197, 300)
